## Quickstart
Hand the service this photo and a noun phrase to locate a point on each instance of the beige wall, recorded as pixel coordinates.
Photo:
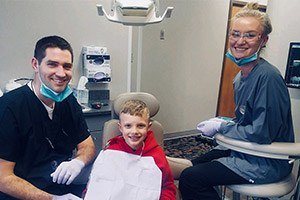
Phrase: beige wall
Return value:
(24, 22)
(183, 71)
(285, 17)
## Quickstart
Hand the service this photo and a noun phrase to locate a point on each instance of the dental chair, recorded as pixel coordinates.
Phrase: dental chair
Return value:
(276, 150)
(111, 128)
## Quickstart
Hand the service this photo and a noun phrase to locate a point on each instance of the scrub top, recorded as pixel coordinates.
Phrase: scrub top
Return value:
(33, 141)
(263, 115)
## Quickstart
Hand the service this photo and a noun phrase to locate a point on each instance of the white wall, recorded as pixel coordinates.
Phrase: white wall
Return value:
(22, 23)
(183, 71)
(285, 17)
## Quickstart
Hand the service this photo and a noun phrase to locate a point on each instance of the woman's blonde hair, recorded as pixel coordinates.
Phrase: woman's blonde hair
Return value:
(251, 10)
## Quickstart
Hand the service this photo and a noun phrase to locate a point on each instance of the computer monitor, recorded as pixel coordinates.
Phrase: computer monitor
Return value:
(292, 73)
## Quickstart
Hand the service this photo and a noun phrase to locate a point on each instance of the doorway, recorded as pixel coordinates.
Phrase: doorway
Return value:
(226, 103)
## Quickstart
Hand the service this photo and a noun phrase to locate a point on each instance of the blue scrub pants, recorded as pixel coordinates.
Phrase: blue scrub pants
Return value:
(197, 182)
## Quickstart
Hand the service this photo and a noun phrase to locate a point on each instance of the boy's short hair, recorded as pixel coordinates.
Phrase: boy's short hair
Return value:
(135, 108)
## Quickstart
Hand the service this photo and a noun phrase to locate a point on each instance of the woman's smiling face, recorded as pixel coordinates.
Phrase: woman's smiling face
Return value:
(245, 37)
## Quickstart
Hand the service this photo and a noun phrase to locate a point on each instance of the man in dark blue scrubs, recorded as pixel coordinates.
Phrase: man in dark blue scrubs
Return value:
(44, 139)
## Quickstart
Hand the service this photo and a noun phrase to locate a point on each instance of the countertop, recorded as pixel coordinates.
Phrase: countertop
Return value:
(104, 110)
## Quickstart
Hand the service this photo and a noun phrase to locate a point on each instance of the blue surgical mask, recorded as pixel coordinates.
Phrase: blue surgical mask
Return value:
(242, 61)
(57, 97)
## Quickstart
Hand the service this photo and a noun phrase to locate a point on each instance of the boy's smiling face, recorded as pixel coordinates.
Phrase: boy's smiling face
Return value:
(134, 129)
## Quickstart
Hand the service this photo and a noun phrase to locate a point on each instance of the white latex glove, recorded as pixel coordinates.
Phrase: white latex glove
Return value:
(68, 196)
(67, 171)
(209, 127)
(218, 119)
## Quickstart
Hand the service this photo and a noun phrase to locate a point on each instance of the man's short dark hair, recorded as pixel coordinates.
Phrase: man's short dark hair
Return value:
(51, 42)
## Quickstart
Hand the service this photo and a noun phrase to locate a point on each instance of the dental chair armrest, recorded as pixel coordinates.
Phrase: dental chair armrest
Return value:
(177, 165)
(275, 150)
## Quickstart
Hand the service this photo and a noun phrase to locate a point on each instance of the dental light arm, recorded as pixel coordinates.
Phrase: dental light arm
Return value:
(135, 12)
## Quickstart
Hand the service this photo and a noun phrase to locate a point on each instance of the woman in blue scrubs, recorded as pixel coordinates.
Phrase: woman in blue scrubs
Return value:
(263, 115)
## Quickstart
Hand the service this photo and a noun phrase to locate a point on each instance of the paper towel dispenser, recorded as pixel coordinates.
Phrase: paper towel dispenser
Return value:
(96, 64)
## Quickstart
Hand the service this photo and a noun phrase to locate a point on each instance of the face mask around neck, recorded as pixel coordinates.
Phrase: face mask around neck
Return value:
(49, 93)
(243, 61)
(57, 97)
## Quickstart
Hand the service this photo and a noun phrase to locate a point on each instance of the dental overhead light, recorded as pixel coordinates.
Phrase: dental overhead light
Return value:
(135, 12)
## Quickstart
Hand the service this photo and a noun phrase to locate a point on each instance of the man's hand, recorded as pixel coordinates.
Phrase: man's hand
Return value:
(66, 197)
(67, 171)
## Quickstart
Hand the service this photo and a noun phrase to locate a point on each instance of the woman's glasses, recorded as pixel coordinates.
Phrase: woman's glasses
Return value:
(248, 36)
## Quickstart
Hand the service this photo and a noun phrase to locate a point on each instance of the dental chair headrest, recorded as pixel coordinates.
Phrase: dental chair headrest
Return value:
(147, 98)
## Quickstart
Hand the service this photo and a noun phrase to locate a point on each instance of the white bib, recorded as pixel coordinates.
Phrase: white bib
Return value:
(117, 175)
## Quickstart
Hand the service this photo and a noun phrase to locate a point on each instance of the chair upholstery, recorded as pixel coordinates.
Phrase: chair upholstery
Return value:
(177, 165)
(277, 150)
(110, 130)
(148, 99)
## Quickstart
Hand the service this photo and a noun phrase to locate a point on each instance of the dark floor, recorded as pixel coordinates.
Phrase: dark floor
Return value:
(188, 147)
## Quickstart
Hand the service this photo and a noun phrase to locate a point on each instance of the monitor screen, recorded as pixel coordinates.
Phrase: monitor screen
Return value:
(292, 73)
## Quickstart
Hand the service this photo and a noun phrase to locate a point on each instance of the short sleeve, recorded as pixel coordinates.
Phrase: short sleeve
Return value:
(9, 136)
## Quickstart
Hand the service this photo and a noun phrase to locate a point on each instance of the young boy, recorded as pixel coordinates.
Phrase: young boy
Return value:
(133, 166)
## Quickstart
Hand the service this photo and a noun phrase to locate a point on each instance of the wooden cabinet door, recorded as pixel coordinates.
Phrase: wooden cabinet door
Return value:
(226, 103)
